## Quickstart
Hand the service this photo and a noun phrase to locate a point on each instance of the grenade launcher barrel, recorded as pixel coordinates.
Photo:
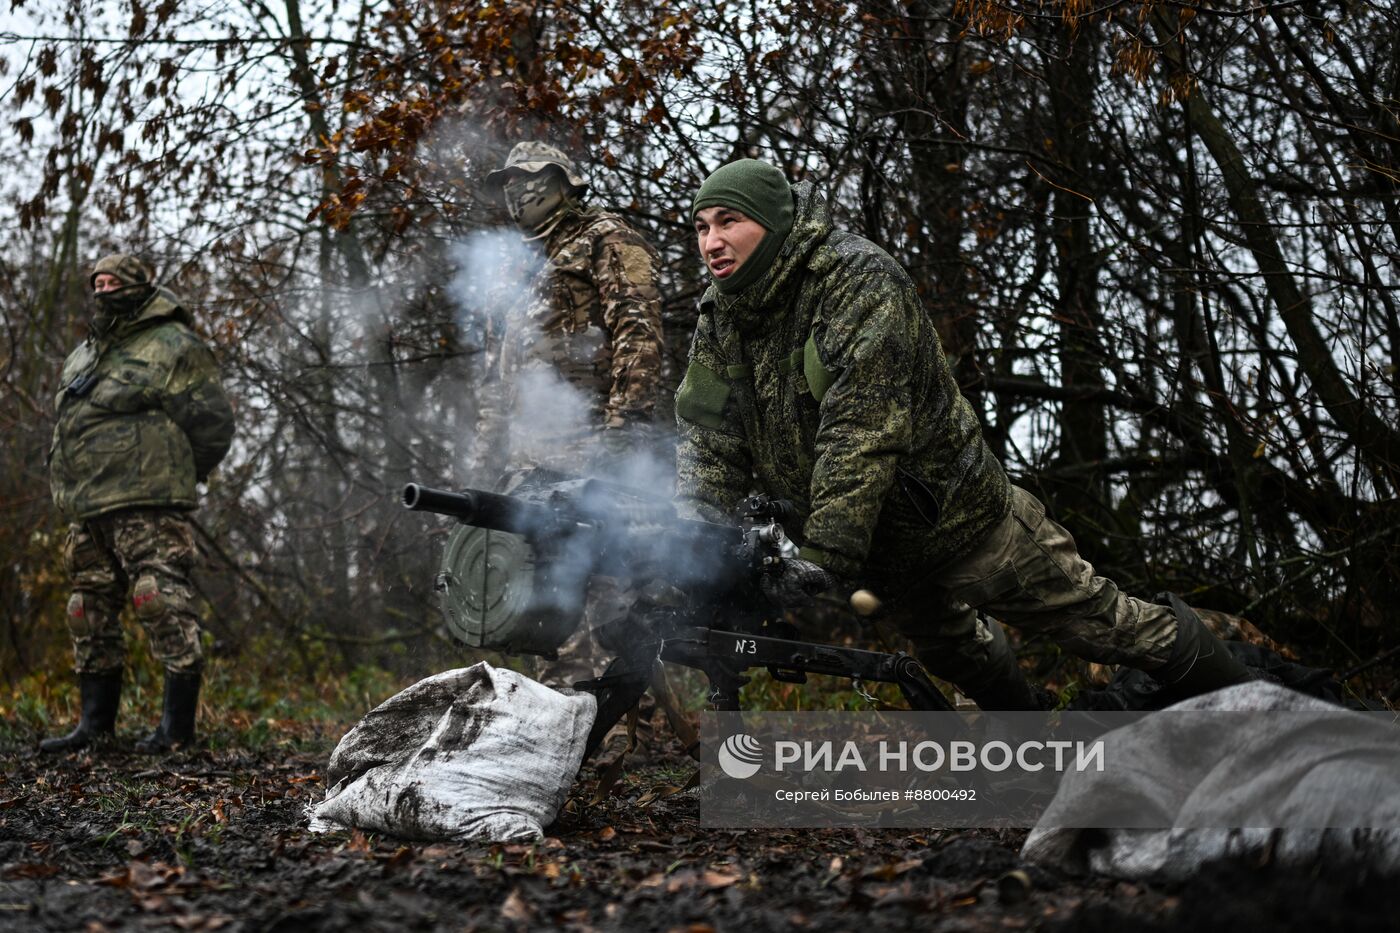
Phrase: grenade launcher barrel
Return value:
(484, 509)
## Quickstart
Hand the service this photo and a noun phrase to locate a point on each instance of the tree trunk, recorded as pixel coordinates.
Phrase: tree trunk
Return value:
(1377, 440)
(1081, 504)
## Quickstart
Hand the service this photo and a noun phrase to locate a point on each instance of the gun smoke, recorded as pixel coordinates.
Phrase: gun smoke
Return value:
(553, 433)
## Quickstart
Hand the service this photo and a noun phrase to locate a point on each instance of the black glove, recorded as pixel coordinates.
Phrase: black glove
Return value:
(797, 583)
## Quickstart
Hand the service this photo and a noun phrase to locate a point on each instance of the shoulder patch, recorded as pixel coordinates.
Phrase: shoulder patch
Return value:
(635, 260)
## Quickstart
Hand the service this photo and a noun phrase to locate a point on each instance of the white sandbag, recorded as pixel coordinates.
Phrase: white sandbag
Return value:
(1287, 767)
(472, 753)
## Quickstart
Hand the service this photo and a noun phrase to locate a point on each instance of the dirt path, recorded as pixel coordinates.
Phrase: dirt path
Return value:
(218, 841)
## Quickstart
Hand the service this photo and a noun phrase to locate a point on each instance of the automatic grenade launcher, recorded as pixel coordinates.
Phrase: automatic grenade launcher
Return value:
(514, 578)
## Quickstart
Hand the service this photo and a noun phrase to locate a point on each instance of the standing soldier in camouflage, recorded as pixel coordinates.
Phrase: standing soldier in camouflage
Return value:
(591, 319)
(141, 419)
(815, 369)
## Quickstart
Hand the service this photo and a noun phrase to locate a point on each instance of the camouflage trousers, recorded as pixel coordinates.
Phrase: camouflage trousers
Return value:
(1029, 574)
(607, 616)
(144, 553)
(606, 601)
(581, 657)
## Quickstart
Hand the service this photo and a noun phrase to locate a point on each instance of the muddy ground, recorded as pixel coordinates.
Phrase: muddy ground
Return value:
(218, 840)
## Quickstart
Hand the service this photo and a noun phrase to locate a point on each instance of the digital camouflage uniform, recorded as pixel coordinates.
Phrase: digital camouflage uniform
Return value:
(826, 383)
(141, 417)
(591, 319)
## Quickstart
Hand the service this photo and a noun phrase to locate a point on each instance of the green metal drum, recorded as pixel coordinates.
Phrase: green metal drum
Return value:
(498, 597)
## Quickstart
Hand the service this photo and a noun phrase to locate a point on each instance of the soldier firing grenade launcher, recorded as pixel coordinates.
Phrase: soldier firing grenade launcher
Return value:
(514, 578)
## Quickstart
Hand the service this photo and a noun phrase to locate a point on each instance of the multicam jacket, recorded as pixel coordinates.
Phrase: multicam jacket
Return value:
(825, 381)
(592, 318)
(141, 417)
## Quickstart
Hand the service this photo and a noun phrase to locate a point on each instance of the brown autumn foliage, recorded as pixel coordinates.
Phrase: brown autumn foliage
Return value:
(1160, 242)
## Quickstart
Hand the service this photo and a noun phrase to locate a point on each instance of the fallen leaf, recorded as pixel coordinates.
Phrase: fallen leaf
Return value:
(150, 903)
(149, 876)
(402, 856)
(892, 870)
(720, 879)
(117, 879)
(516, 909)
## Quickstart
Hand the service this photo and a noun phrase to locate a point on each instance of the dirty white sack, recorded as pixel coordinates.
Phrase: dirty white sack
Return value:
(1307, 776)
(472, 753)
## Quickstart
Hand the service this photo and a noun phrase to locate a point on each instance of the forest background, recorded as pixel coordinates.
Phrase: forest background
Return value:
(1159, 239)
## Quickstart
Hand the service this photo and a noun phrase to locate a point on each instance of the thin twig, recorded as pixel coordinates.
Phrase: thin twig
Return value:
(1316, 566)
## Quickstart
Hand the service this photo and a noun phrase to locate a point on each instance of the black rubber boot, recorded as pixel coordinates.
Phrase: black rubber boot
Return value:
(999, 684)
(177, 714)
(1008, 691)
(1200, 662)
(101, 694)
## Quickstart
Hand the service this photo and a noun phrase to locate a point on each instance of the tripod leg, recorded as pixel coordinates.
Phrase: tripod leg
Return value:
(613, 703)
(917, 688)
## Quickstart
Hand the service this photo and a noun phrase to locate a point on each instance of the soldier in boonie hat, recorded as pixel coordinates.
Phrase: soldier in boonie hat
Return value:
(590, 318)
(537, 185)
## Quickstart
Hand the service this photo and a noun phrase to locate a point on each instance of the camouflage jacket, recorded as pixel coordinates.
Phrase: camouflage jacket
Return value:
(141, 417)
(826, 382)
(591, 319)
